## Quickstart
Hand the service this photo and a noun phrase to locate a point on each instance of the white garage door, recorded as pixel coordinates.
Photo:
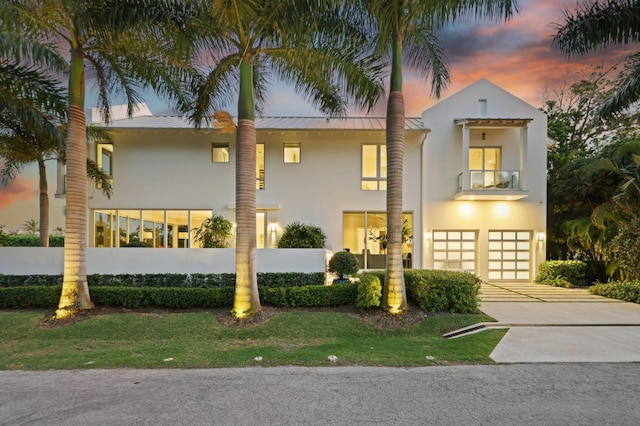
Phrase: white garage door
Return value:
(455, 250)
(510, 255)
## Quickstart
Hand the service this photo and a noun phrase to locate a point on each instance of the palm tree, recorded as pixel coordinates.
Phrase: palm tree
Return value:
(125, 42)
(301, 42)
(406, 34)
(599, 25)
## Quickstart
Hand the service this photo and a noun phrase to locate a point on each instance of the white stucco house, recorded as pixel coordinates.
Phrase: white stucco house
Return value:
(474, 184)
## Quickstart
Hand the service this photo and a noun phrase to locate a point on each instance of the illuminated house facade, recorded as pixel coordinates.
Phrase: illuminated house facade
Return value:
(474, 183)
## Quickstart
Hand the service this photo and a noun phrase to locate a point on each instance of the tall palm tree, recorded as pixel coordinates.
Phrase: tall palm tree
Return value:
(406, 34)
(125, 42)
(302, 42)
(600, 24)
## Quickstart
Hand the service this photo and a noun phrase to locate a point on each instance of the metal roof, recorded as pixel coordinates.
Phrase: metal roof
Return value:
(273, 123)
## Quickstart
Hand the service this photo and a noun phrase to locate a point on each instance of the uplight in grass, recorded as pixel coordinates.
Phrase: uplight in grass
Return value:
(168, 359)
(258, 358)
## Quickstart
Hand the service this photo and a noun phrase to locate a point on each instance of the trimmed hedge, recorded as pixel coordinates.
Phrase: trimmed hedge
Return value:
(432, 290)
(15, 240)
(562, 273)
(627, 291)
(286, 279)
(369, 291)
(439, 291)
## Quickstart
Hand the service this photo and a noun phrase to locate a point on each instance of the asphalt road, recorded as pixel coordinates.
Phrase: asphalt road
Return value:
(518, 394)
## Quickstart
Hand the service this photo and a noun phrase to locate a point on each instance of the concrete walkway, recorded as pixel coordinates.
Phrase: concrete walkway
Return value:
(552, 324)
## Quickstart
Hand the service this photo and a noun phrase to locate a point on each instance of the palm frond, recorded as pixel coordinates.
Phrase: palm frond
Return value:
(598, 24)
(628, 89)
(101, 179)
(425, 54)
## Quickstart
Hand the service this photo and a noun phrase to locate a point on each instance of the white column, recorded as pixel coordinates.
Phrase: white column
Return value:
(60, 189)
(465, 157)
(524, 150)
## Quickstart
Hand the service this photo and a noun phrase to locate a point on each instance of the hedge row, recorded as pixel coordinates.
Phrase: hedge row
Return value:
(433, 291)
(562, 273)
(267, 279)
(180, 298)
(14, 240)
(627, 291)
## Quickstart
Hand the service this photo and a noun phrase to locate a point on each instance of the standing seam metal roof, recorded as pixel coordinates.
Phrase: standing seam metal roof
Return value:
(275, 123)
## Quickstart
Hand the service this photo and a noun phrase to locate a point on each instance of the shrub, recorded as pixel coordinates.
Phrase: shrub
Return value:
(29, 297)
(627, 291)
(15, 240)
(214, 232)
(310, 296)
(344, 263)
(369, 291)
(561, 272)
(302, 235)
(436, 291)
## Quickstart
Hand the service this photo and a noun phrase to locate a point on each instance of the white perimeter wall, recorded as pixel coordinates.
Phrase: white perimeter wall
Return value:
(132, 260)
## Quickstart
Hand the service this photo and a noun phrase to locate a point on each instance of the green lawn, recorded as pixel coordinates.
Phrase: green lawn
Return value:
(197, 340)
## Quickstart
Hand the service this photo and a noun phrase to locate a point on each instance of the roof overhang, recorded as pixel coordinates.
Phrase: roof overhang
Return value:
(491, 195)
(492, 123)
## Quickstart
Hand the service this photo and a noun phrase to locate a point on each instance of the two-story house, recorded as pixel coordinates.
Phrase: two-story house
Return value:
(474, 183)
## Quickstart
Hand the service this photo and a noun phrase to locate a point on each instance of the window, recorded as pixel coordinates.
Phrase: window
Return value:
(365, 235)
(260, 166)
(220, 152)
(104, 159)
(291, 152)
(484, 167)
(374, 167)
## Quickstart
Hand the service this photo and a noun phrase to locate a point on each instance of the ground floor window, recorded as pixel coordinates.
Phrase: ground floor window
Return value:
(365, 235)
(157, 228)
(510, 255)
(455, 250)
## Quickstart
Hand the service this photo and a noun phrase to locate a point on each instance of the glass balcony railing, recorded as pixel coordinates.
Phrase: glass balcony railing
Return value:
(491, 180)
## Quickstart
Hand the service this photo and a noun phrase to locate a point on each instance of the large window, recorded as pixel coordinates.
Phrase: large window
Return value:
(484, 166)
(365, 235)
(374, 167)
(260, 166)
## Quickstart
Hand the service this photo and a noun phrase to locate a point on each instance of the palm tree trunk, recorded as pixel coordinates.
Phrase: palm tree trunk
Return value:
(394, 296)
(44, 204)
(75, 291)
(247, 300)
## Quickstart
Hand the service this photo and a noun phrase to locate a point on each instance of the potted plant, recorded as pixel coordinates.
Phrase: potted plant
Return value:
(343, 264)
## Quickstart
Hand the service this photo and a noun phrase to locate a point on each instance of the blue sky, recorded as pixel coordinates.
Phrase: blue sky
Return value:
(516, 56)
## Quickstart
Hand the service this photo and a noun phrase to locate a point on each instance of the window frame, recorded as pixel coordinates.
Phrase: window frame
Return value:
(219, 145)
(286, 145)
(381, 182)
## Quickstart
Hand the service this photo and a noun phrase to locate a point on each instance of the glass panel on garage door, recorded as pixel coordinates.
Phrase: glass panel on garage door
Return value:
(455, 250)
(510, 255)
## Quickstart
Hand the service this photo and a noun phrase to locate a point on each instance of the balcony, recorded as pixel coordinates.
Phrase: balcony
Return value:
(490, 185)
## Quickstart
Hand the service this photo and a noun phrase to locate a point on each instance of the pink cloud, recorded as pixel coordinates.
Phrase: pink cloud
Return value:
(20, 189)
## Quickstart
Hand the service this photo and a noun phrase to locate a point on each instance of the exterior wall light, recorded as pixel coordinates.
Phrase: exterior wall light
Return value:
(273, 227)
(427, 235)
(540, 236)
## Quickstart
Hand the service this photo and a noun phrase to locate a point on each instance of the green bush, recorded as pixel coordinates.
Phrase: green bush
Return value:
(267, 279)
(310, 296)
(29, 297)
(214, 232)
(436, 291)
(302, 235)
(344, 263)
(561, 272)
(369, 291)
(15, 240)
(627, 291)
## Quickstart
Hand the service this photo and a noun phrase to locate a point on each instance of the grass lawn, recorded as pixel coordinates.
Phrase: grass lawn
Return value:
(199, 340)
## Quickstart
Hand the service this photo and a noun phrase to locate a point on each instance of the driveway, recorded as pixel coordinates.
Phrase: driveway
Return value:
(552, 324)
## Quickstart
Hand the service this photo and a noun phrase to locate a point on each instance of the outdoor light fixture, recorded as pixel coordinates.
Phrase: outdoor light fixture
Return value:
(427, 235)
(273, 227)
(540, 236)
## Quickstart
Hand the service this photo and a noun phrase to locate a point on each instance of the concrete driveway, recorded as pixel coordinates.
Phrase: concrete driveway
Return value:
(552, 324)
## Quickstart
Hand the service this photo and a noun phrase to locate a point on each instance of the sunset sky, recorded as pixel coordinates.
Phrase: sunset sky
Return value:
(516, 56)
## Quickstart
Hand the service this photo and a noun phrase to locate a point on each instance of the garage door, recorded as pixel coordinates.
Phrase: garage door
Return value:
(510, 255)
(455, 250)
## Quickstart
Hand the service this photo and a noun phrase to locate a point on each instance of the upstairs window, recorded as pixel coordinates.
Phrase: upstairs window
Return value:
(484, 166)
(260, 166)
(220, 152)
(291, 153)
(374, 167)
(104, 160)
